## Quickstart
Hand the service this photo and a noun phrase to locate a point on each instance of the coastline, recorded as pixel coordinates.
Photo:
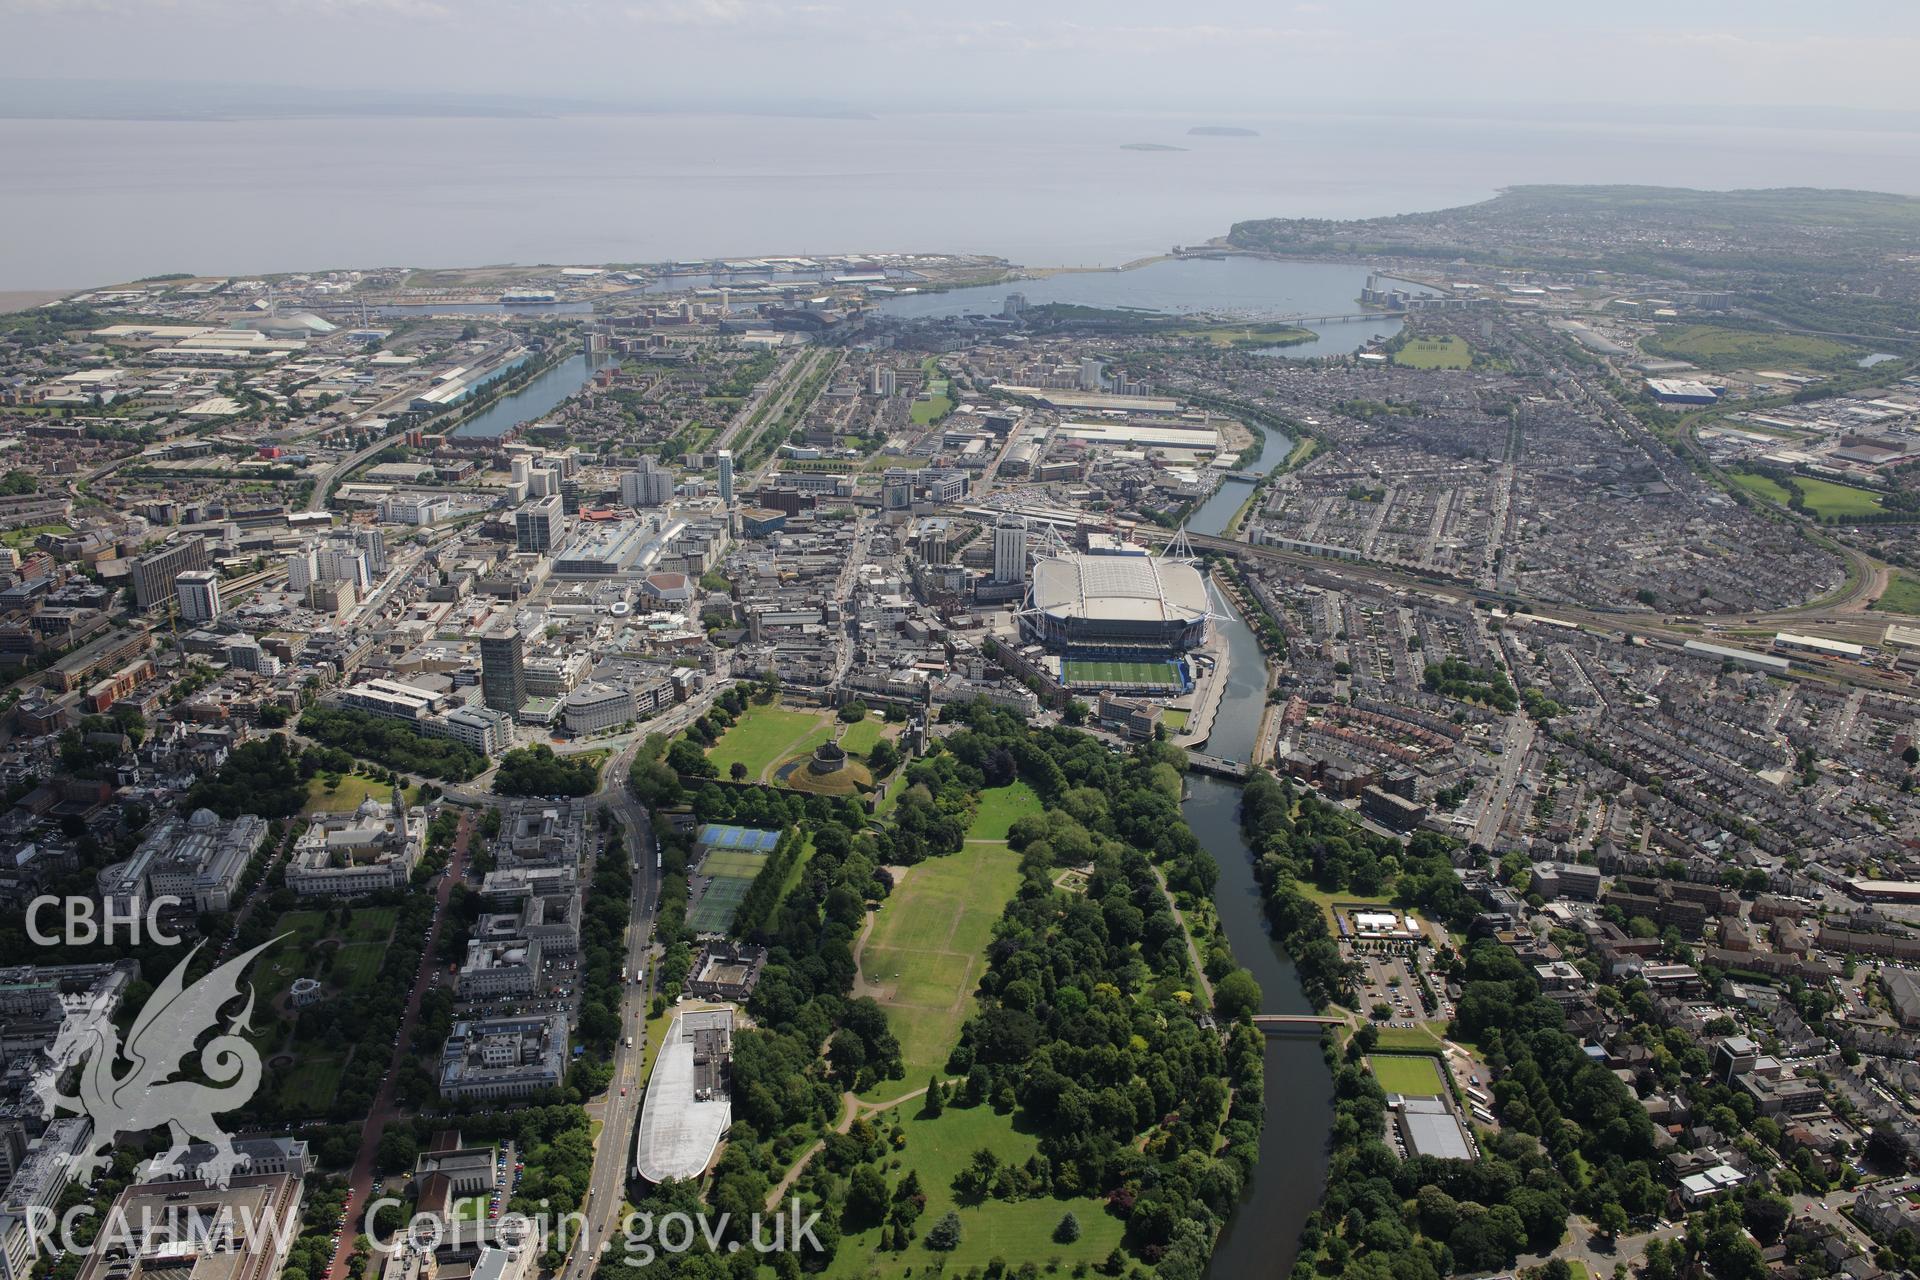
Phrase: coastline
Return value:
(1047, 273)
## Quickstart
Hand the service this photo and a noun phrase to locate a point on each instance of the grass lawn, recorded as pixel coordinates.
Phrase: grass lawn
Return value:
(1000, 808)
(1764, 486)
(656, 1032)
(788, 885)
(764, 736)
(372, 924)
(1424, 1036)
(1413, 1075)
(1019, 1231)
(1712, 347)
(309, 1086)
(927, 951)
(1303, 449)
(882, 461)
(861, 736)
(1083, 671)
(276, 969)
(353, 789)
(1450, 352)
(1174, 718)
(1902, 594)
(931, 410)
(346, 958)
(470, 1209)
(356, 965)
(844, 781)
(1825, 498)
(306, 926)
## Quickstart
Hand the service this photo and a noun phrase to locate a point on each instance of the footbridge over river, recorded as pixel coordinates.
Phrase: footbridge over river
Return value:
(1275, 1024)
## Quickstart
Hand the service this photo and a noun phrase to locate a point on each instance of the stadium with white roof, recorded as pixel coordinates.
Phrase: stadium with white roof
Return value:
(1140, 604)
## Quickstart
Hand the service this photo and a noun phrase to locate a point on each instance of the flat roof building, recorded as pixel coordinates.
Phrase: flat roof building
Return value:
(1681, 391)
(604, 550)
(503, 671)
(1742, 657)
(153, 573)
(504, 1057)
(496, 969)
(1818, 644)
(186, 1230)
(391, 698)
(1428, 1127)
(594, 707)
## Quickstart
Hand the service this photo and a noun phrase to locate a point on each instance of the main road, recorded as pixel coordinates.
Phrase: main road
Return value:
(618, 1109)
(780, 384)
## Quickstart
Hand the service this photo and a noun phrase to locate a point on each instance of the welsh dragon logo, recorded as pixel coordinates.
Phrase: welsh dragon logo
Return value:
(157, 1045)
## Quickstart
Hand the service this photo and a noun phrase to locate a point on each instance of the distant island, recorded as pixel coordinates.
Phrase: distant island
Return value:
(1149, 146)
(1221, 131)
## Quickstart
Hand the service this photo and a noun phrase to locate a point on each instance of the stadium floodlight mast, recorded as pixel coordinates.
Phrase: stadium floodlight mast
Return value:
(1050, 545)
(1178, 548)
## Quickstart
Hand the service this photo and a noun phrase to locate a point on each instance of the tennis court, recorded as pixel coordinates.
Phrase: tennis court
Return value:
(721, 836)
(732, 862)
(732, 872)
(1123, 675)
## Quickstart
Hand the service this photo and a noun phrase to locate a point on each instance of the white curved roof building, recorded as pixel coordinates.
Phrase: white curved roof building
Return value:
(689, 1104)
(1117, 601)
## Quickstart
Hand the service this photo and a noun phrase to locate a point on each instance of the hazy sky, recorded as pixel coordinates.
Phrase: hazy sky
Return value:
(908, 54)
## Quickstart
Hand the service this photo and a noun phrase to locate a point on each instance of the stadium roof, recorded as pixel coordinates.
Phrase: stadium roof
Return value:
(1119, 588)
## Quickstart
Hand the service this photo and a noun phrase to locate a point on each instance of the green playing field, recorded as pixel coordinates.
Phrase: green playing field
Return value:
(1087, 671)
(1416, 1076)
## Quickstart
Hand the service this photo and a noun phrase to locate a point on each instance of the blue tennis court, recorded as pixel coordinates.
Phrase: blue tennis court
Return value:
(719, 836)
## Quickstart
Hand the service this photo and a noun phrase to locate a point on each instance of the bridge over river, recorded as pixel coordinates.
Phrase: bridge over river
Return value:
(1201, 762)
(1282, 1023)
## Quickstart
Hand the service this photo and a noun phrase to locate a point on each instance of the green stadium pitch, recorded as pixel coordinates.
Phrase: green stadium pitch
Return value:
(1120, 675)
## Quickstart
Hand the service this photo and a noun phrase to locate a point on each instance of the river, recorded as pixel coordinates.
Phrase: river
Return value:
(1214, 514)
(541, 396)
(1262, 1237)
